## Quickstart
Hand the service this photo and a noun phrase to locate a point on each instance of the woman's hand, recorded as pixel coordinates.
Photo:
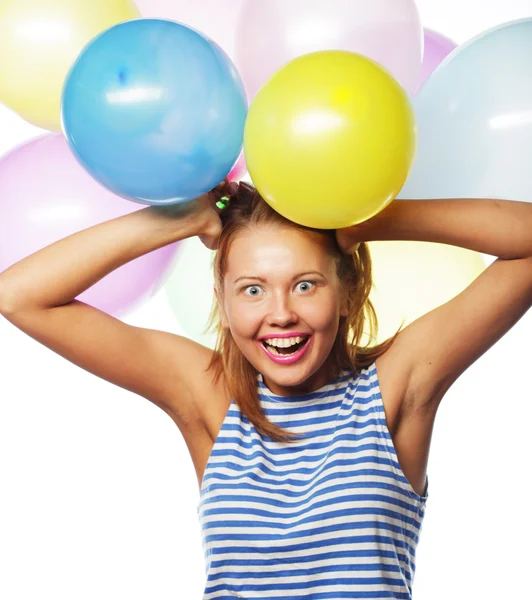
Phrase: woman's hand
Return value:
(208, 218)
(200, 214)
(347, 240)
(204, 213)
(210, 224)
(372, 229)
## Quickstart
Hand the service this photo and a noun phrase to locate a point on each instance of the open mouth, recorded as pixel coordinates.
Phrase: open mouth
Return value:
(285, 351)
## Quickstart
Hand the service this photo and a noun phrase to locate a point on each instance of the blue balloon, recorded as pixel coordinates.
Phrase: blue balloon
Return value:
(155, 111)
(474, 119)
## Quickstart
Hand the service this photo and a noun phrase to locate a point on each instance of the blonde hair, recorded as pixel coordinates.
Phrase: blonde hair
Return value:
(247, 209)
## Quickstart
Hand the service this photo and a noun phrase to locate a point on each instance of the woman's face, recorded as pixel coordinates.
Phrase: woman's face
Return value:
(282, 281)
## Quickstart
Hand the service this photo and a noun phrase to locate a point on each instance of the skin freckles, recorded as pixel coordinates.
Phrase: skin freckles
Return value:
(283, 302)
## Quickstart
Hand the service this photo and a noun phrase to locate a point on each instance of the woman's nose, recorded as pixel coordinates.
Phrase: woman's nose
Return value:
(281, 310)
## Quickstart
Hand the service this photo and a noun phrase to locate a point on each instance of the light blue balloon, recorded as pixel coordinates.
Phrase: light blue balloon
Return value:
(155, 111)
(474, 118)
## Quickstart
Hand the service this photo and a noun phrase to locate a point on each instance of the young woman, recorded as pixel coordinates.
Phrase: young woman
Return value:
(310, 450)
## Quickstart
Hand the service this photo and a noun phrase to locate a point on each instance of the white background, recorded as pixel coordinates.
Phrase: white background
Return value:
(98, 494)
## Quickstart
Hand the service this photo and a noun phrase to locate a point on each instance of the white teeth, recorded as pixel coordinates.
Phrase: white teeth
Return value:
(284, 342)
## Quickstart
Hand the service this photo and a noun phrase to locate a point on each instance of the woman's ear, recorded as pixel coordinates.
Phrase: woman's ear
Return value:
(344, 306)
(223, 316)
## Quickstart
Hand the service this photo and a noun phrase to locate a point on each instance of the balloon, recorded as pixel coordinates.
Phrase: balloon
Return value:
(155, 112)
(474, 119)
(334, 149)
(45, 195)
(216, 19)
(412, 278)
(273, 33)
(437, 47)
(189, 290)
(39, 41)
(239, 170)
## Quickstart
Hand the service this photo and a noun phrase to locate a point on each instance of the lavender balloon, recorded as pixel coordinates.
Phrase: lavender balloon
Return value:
(45, 195)
(437, 47)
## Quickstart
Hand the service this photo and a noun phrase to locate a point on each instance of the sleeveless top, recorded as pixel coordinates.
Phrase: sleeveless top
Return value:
(329, 516)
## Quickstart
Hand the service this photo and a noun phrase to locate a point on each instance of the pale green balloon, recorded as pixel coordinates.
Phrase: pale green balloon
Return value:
(189, 289)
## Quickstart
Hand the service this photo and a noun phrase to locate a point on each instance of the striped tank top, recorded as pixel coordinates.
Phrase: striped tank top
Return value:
(331, 516)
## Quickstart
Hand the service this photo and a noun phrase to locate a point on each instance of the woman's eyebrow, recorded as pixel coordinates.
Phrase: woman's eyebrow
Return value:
(265, 280)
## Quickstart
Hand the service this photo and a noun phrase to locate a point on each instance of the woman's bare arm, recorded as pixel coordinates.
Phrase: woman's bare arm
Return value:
(37, 296)
(58, 273)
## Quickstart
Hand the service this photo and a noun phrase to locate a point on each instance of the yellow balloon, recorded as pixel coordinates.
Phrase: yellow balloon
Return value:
(413, 278)
(330, 139)
(39, 42)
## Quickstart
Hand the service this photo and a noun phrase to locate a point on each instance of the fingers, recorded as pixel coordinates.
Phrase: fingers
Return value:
(233, 187)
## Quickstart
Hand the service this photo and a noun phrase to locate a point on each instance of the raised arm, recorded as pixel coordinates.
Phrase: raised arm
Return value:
(57, 274)
(37, 296)
(440, 345)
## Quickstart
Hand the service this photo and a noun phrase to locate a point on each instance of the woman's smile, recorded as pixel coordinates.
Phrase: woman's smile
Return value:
(287, 351)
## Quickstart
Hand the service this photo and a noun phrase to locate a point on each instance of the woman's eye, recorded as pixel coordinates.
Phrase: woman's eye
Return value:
(307, 284)
(252, 287)
(254, 290)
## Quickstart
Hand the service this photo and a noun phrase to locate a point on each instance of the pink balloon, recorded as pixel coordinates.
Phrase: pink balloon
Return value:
(239, 170)
(45, 195)
(273, 33)
(437, 47)
(217, 19)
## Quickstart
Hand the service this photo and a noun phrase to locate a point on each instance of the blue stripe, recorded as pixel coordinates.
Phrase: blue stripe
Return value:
(331, 516)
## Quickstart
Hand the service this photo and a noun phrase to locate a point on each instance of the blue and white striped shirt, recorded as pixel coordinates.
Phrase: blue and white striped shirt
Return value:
(331, 516)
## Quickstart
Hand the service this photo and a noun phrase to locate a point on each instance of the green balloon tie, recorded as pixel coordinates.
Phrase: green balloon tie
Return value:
(223, 202)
